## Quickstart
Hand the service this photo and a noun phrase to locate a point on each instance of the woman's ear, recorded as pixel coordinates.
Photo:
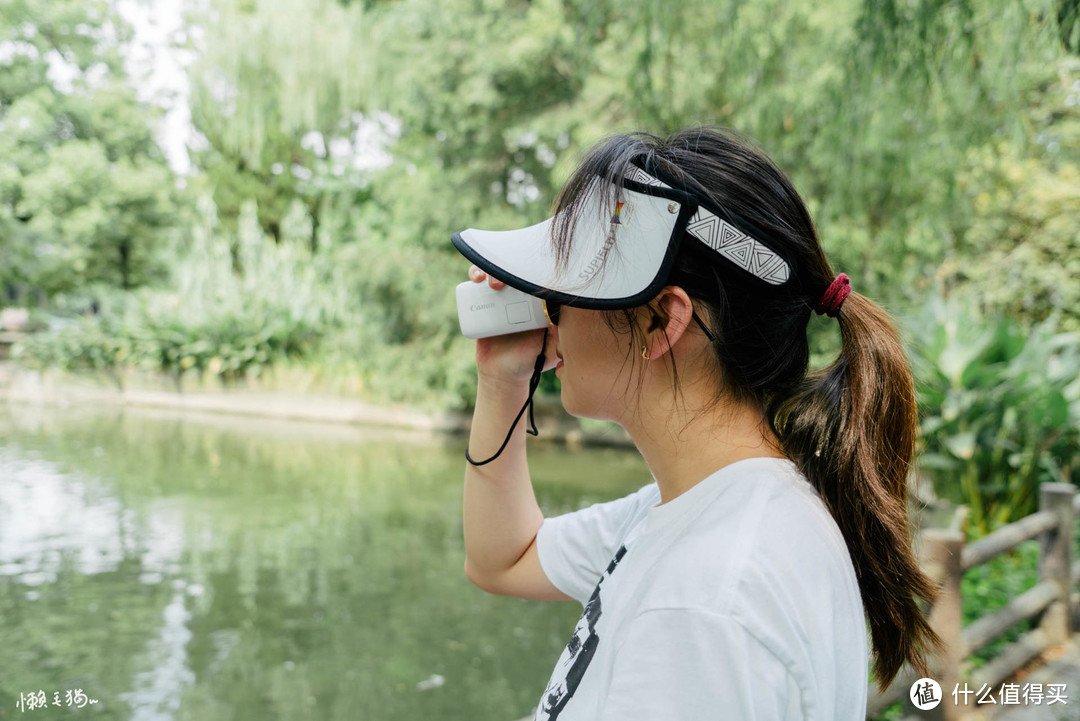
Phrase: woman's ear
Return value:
(664, 328)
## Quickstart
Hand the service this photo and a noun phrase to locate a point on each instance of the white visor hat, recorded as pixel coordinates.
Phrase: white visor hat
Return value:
(622, 251)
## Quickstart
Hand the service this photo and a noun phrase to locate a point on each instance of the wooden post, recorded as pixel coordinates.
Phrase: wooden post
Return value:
(1055, 558)
(941, 558)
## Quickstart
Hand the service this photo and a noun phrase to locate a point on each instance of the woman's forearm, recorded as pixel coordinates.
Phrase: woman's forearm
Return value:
(500, 512)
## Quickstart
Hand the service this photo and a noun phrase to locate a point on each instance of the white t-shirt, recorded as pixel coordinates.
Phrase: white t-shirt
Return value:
(736, 600)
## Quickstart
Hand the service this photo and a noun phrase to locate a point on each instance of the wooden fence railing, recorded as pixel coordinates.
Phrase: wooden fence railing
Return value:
(1052, 602)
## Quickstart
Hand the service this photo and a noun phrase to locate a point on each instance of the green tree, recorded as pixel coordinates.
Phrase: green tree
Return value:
(85, 194)
(276, 97)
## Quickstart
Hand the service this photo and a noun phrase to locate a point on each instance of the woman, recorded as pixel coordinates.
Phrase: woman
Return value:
(679, 276)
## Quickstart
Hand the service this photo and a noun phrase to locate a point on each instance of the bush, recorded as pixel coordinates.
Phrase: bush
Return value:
(213, 320)
(227, 344)
(1000, 408)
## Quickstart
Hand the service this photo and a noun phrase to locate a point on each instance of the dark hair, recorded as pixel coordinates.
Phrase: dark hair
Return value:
(850, 427)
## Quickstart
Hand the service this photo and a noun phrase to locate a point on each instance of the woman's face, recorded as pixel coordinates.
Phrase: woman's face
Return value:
(596, 365)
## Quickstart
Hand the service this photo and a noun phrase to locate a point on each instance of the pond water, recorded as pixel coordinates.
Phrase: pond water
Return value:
(175, 566)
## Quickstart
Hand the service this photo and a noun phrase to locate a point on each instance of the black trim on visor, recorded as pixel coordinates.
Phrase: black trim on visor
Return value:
(686, 211)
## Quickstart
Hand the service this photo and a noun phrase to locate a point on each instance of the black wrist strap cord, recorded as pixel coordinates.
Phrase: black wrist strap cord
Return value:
(534, 382)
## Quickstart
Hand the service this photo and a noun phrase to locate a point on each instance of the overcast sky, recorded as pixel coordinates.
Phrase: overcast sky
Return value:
(157, 69)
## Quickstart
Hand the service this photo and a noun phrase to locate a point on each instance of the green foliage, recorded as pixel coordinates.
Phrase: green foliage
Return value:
(85, 345)
(213, 321)
(84, 192)
(1024, 258)
(936, 144)
(888, 116)
(275, 95)
(401, 332)
(1000, 407)
(990, 586)
(223, 343)
(924, 85)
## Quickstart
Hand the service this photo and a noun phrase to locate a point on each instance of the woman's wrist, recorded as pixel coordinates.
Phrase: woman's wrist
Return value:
(502, 385)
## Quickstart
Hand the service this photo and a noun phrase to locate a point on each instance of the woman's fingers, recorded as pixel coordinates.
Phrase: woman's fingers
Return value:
(477, 275)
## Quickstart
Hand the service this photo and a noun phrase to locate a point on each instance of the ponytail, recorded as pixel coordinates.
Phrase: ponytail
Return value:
(851, 429)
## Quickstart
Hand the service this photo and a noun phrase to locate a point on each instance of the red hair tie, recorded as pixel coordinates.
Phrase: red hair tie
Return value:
(834, 297)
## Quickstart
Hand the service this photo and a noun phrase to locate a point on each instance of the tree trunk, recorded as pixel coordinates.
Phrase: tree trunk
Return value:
(314, 210)
(125, 264)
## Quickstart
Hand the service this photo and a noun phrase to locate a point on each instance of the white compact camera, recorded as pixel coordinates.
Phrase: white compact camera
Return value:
(484, 312)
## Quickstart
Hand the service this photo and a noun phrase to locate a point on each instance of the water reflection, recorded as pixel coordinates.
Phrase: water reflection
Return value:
(158, 691)
(50, 516)
(210, 567)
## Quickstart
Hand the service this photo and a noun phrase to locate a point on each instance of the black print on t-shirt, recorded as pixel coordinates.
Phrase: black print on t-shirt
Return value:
(577, 655)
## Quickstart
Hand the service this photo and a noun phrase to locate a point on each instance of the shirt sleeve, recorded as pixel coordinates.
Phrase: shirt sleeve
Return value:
(575, 548)
(683, 664)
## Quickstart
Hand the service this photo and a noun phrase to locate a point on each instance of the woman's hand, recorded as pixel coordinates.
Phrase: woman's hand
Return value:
(510, 358)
